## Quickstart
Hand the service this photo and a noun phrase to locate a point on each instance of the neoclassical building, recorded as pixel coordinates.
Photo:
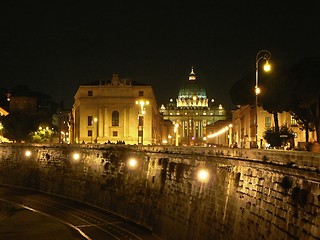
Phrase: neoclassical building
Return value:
(116, 111)
(190, 115)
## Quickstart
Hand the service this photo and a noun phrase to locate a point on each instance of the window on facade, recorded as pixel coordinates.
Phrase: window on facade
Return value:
(90, 93)
(89, 133)
(140, 120)
(267, 121)
(90, 118)
(140, 93)
(293, 121)
(115, 133)
(115, 118)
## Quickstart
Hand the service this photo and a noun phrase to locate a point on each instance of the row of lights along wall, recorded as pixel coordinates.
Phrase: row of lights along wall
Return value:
(203, 175)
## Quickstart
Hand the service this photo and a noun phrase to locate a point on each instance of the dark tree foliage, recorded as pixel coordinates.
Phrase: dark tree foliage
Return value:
(273, 95)
(242, 92)
(304, 91)
(278, 138)
(18, 125)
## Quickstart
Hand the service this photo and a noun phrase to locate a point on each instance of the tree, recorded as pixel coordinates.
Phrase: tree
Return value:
(304, 87)
(18, 125)
(278, 138)
(42, 135)
(242, 91)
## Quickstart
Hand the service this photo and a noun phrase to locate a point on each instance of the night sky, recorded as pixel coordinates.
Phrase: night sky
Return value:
(53, 48)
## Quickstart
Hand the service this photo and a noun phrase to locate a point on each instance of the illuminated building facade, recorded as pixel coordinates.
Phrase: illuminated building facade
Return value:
(244, 127)
(119, 110)
(190, 115)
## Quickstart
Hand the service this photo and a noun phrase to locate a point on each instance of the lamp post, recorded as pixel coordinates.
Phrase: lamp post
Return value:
(141, 113)
(262, 55)
(176, 126)
(96, 121)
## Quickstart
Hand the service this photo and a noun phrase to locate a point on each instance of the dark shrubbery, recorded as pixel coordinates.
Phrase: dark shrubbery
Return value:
(278, 139)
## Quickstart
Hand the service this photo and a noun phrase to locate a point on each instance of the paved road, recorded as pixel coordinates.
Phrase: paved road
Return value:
(88, 221)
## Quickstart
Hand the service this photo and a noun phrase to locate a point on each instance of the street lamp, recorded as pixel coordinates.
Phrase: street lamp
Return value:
(265, 55)
(141, 113)
(96, 121)
(176, 127)
(203, 175)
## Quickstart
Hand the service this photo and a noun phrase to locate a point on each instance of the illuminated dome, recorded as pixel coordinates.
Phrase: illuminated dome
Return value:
(192, 94)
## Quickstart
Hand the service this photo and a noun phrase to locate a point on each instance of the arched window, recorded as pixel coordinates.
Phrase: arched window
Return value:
(115, 118)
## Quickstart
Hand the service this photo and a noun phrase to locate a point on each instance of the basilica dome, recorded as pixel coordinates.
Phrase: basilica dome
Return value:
(192, 94)
(192, 90)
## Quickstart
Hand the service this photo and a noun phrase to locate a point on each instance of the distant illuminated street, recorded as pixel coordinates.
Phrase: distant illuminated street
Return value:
(90, 222)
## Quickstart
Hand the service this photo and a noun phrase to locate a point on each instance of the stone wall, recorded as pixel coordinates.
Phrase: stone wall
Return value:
(251, 194)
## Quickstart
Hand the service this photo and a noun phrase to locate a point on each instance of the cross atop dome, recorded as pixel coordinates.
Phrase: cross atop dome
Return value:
(192, 75)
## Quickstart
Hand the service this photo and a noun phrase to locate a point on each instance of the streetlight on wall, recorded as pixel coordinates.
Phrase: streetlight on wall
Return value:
(262, 55)
(96, 122)
(141, 113)
(176, 128)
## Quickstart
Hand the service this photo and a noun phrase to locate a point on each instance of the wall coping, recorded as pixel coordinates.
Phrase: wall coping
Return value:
(290, 158)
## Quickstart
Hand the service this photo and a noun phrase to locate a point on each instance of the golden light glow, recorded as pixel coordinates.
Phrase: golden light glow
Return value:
(176, 127)
(76, 156)
(28, 153)
(221, 131)
(95, 119)
(203, 175)
(267, 66)
(257, 90)
(132, 163)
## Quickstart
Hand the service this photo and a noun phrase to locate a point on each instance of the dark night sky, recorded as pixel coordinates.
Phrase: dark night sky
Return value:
(53, 48)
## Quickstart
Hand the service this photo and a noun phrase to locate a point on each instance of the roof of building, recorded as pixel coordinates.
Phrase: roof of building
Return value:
(115, 81)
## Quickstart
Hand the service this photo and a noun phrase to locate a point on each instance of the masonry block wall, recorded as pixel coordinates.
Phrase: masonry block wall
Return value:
(249, 195)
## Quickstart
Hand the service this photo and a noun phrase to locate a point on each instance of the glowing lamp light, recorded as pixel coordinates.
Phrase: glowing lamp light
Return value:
(267, 66)
(257, 90)
(76, 156)
(132, 163)
(28, 153)
(203, 175)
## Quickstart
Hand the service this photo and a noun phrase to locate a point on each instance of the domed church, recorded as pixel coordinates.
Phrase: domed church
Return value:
(190, 115)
